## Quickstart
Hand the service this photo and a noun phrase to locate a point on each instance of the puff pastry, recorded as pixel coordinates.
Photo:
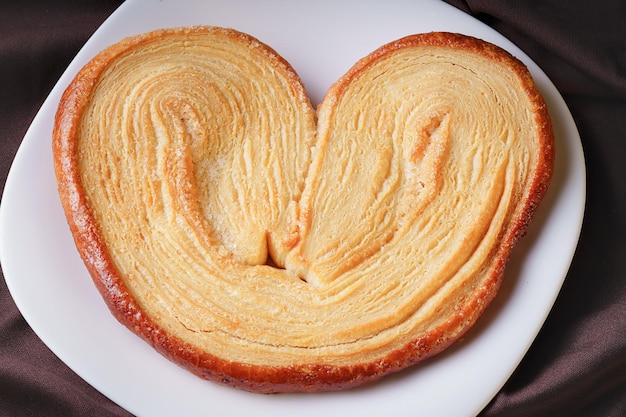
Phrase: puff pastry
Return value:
(274, 247)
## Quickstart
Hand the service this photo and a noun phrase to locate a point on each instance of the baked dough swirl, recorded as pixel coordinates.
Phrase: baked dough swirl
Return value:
(273, 247)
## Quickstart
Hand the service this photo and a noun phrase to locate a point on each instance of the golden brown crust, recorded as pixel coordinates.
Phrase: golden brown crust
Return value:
(314, 375)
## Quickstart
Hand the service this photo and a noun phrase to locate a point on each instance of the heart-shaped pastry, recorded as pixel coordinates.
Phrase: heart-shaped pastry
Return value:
(273, 247)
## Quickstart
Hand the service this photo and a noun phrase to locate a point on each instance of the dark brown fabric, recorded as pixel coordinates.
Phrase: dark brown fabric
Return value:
(577, 364)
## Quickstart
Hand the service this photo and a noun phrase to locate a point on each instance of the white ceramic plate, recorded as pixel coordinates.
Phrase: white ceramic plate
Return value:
(321, 39)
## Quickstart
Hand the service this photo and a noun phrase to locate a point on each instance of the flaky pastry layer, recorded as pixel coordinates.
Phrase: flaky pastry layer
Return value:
(270, 246)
